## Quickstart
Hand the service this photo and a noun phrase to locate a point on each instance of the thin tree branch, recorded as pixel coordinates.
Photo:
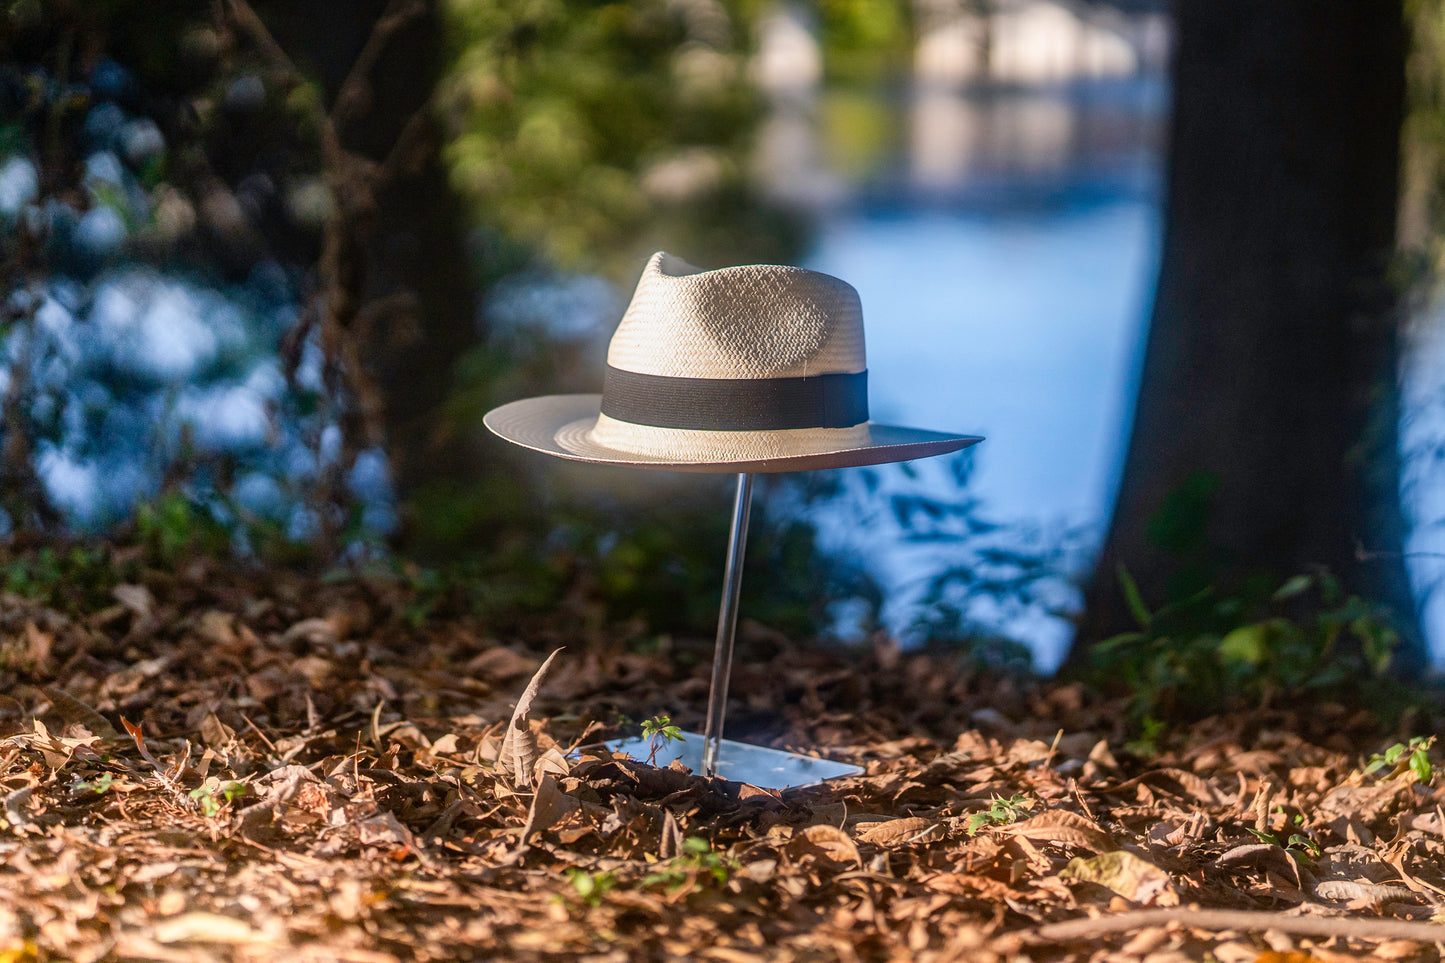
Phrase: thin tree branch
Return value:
(1247, 920)
(337, 311)
(410, 149)
(398, 14)
(255, 28)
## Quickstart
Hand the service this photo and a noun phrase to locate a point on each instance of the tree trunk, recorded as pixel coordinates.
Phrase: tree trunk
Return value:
(416, 249)
(1266, 424)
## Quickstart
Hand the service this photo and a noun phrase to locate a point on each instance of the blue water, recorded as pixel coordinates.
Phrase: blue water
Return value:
(1422, 441)
(1022, 327)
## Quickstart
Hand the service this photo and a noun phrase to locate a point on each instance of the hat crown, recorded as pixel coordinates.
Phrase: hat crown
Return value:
(754, 321)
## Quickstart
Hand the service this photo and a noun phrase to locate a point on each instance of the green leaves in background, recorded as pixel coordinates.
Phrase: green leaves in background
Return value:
(594, 133)
(1212, 653)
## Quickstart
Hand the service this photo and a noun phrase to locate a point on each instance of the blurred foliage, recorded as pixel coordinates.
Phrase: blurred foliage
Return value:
(172, 528)
(1422, 209)
(73, 579)
(670, 574)
(650, 552)
(217, 146)
(1229, 637)
(861, 131)
(982, 581)
(595, 133)
(609, 128)
(990, 576)
(865, 40)
(1264, 646)
(78, 576)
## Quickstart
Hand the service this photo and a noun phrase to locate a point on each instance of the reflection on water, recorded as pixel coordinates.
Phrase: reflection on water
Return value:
(990, 138)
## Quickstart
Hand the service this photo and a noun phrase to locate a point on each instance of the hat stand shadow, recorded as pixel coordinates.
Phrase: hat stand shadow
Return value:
(710, 754)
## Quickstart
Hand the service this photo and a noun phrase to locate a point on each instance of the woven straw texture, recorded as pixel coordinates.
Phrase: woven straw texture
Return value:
(752, 322)
(755, 321)
(691, 445)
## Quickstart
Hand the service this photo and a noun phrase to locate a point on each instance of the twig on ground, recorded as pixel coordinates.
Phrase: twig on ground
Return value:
(1249, 920)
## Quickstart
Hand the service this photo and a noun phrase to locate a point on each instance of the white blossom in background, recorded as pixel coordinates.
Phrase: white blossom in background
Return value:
(138, 366)
(19, 185)
(129, 367)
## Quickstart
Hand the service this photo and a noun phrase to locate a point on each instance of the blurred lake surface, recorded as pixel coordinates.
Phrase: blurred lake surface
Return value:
(1022, 326)
(1005, 246)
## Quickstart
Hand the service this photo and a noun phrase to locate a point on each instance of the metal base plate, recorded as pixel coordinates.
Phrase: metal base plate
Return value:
(740, 762)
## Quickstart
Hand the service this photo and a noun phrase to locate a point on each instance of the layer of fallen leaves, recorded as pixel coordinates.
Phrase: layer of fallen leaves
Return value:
(226, 765)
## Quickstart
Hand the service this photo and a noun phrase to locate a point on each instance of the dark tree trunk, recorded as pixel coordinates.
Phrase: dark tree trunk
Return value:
(416, 250)
(1267, 409)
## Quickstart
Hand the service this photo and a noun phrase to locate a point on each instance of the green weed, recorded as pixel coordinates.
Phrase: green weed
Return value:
(173, 527)
(99, 785)
(1211, 653)
(77, 579)
(215, 793)
(659, 731)
(697, 861)
(590, 887)
(1000, 812)
(1402, 758)
(1297, 844)
(1150, 731)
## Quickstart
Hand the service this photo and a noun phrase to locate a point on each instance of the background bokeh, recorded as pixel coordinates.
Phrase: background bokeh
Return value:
(266, 265)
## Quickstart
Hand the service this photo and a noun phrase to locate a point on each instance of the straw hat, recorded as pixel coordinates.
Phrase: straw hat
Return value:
(745, 369)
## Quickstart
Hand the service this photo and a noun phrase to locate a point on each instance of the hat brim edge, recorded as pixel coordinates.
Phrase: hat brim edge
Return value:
(533, 423)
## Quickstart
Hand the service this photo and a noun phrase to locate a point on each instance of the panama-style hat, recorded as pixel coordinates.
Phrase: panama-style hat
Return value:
(757, 368)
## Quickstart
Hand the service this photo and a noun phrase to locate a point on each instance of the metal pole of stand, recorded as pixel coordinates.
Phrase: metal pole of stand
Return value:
(727, 624)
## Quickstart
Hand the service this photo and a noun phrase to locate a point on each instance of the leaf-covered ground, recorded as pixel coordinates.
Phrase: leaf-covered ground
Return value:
(225, 765)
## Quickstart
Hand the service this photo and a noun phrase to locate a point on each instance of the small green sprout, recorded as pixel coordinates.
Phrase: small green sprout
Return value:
(98, 786)
(215, 793)
(1297, 844)
(1402, 758)
(590, 887)
(659, 731)
(1151, 730)
(1000, 812)
(697, 861)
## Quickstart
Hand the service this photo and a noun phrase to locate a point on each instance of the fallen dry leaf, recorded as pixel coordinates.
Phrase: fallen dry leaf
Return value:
(896, 832)
(519, 746)
(201, 927)
(1126, 874)
(1063, 826)
(826, 842)
(549, 804)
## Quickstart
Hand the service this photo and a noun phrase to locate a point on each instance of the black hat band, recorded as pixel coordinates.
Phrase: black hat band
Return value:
(736, 404)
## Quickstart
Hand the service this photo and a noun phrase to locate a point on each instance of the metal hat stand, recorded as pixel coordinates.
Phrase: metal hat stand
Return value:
(710, 754)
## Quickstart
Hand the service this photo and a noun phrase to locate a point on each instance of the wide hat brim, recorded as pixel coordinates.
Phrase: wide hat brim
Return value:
(561, 425)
